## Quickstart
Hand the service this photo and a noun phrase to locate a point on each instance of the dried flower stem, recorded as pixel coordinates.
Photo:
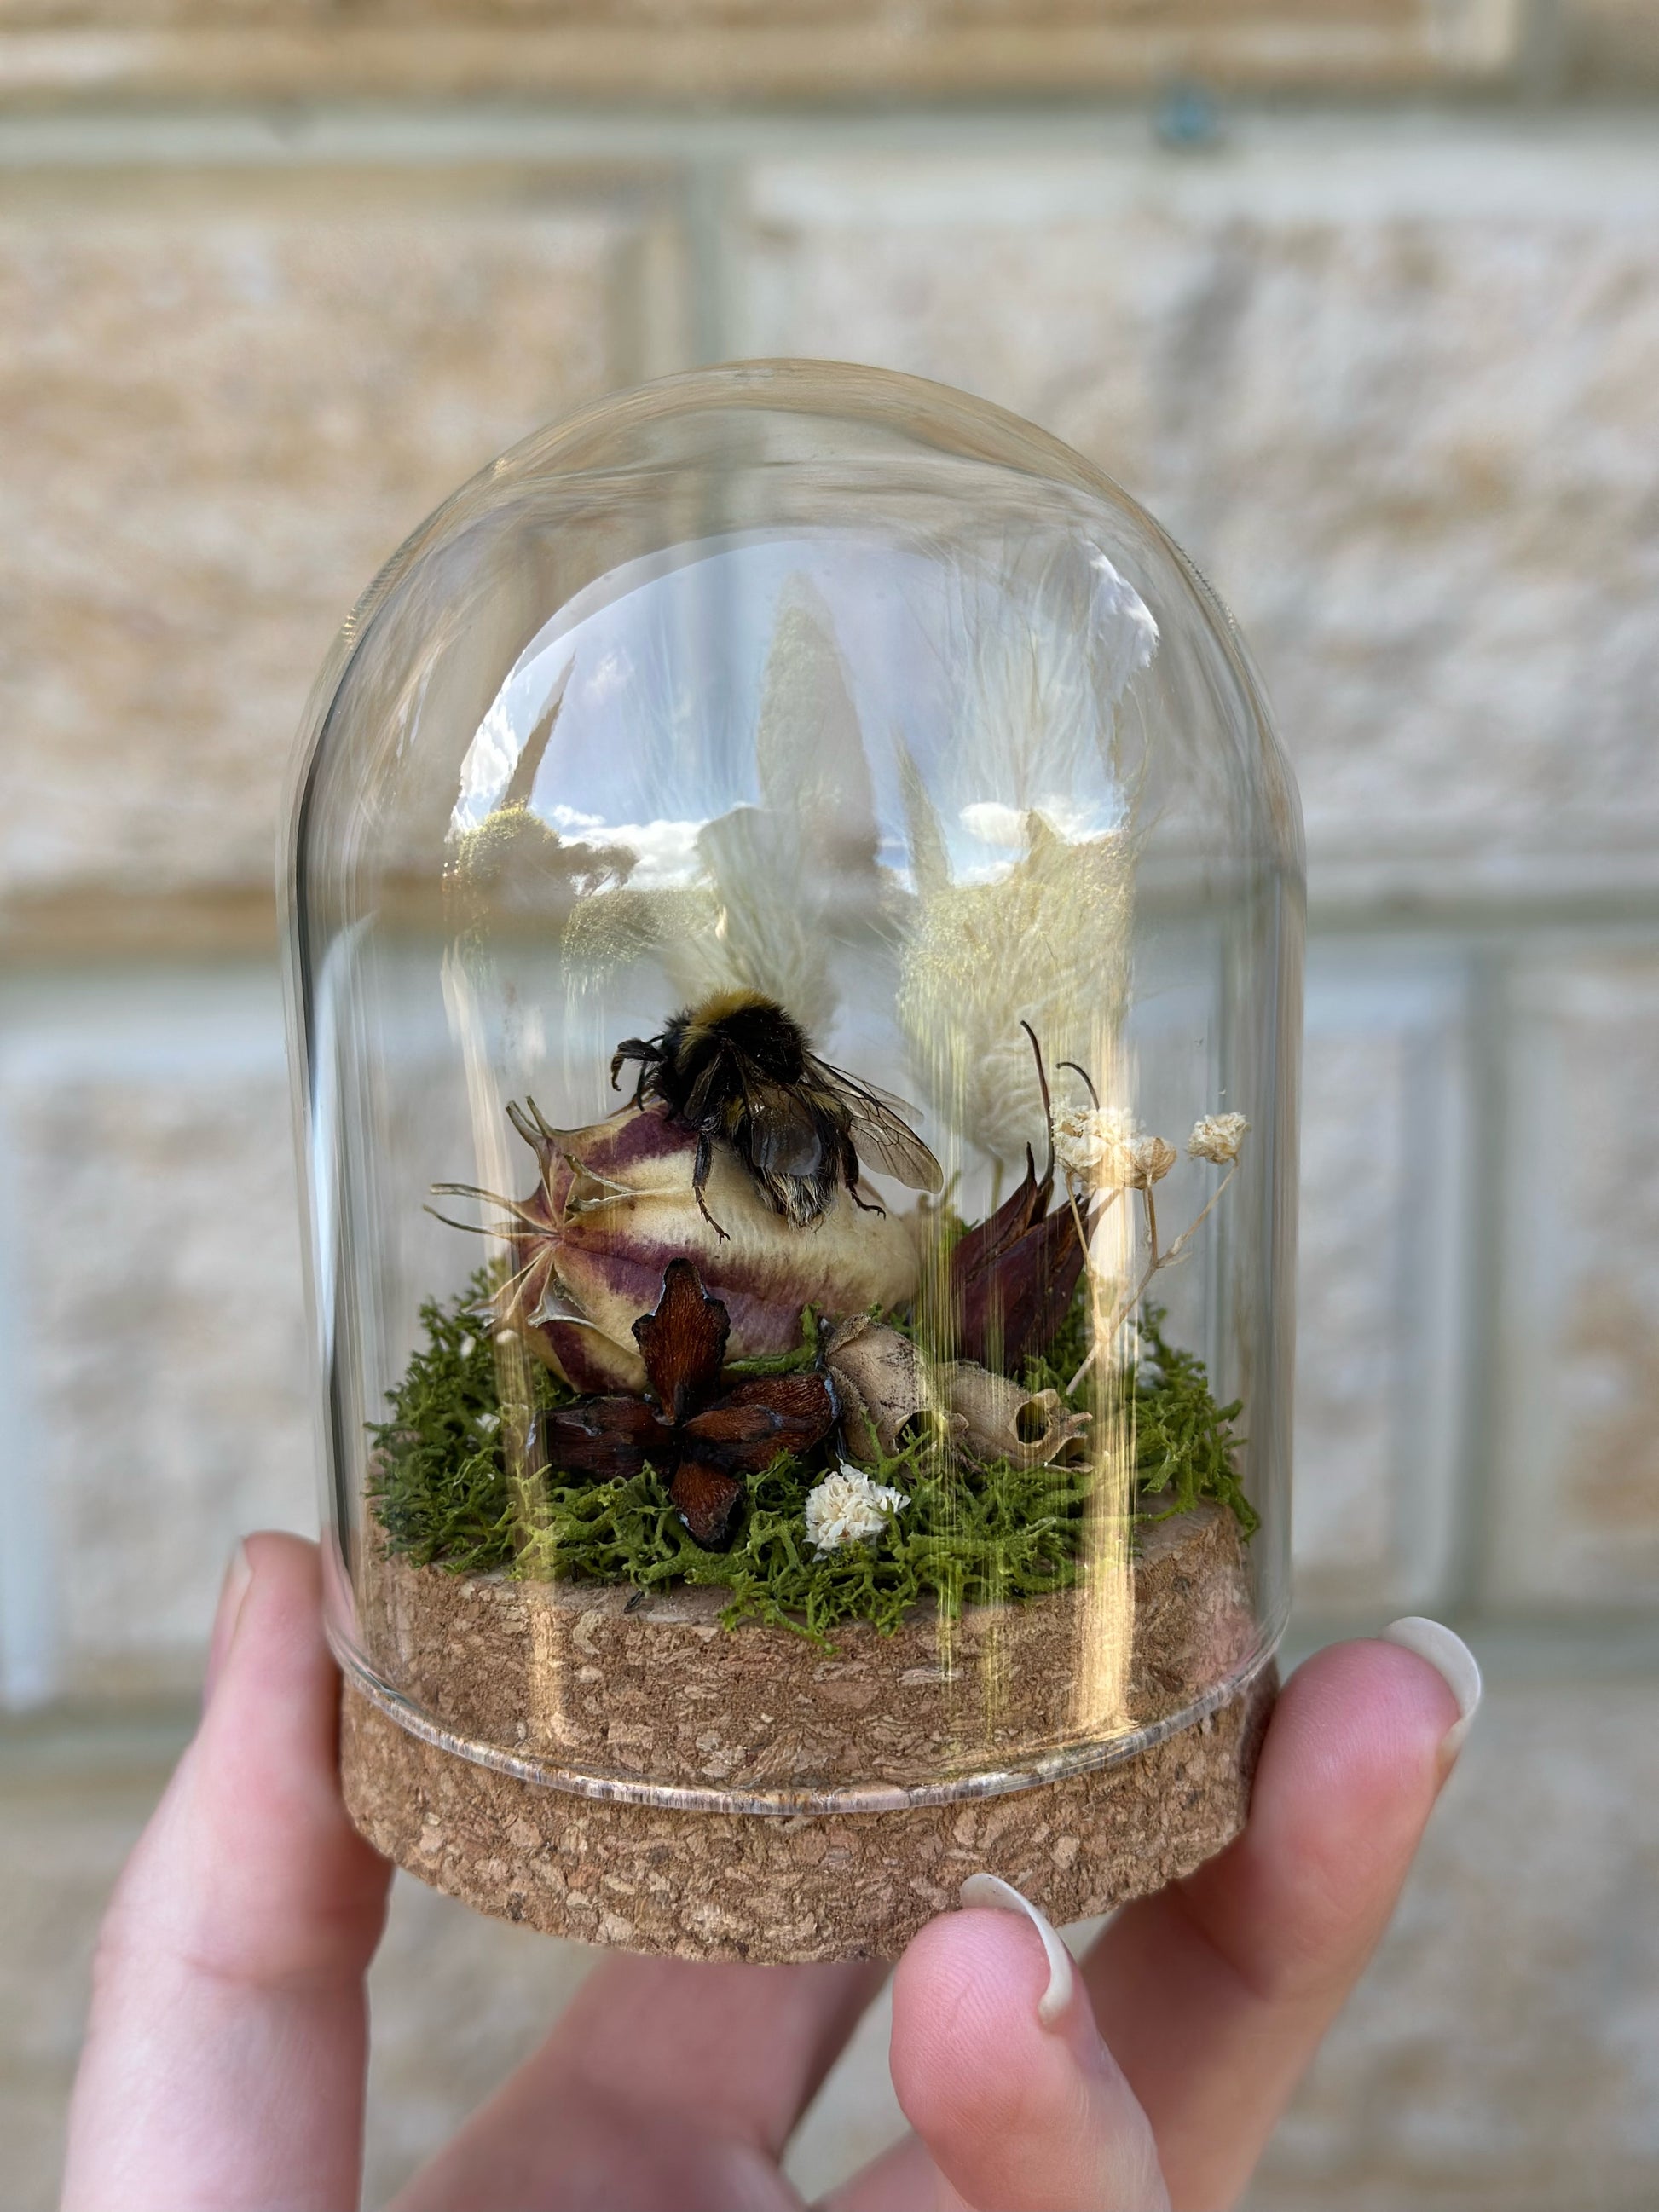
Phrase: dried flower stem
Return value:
(1090, 1269)
(1187, 1234)
(1166, 1258)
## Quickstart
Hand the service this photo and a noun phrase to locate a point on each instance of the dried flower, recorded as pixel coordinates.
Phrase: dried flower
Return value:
(1037, 925)
(1217, 1137)
(1151, 1160)
(614, 1204)
(848, 1508)
(1091, 1144)
(1100, 1147)
(699, 1439)
(746, 901)
(1047, 942)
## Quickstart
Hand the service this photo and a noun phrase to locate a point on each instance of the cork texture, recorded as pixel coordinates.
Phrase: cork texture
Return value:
(662, 1694)
(774, 1890)
(610, 1682)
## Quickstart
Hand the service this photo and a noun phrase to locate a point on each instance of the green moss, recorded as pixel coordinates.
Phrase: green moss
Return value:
(1184, 1441)
(969, 1536)
(1184, 1444)
(993, 1536)
(439, 1482)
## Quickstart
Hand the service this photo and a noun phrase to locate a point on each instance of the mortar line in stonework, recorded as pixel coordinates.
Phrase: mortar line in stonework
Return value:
(541, 127)
(31, 1638)
(712, 194)
(1488, 1227)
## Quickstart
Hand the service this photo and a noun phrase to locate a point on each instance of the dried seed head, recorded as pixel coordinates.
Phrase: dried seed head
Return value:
(1217, 1137)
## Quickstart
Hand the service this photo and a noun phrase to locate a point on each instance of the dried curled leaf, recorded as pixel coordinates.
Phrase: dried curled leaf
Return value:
(1013, 1278)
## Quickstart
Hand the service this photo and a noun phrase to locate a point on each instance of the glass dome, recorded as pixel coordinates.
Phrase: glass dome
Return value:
(795, 923)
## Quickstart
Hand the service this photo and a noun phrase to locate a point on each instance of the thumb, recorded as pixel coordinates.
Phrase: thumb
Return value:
(1000, 2070)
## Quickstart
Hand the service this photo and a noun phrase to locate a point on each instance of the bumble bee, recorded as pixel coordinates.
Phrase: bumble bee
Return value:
(737, 1069)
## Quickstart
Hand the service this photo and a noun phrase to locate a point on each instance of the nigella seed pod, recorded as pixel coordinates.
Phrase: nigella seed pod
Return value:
(614, 1204)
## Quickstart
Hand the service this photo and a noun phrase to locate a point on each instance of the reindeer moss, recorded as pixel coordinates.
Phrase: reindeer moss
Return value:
(999, 1533)
(983, 1538)
(1183, 1441)
(439, 1482)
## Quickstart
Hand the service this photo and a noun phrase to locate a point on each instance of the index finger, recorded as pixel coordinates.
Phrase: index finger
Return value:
(225, 2055)
(1215, 1994)
(1211, 1997)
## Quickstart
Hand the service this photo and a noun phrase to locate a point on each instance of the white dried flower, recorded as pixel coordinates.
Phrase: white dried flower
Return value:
(1217, 1137)
(1151, 1160)
(1101, 1147)
(848, 1508)
(1093, 1145)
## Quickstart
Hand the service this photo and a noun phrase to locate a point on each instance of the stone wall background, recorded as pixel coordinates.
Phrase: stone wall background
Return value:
(1382, 349)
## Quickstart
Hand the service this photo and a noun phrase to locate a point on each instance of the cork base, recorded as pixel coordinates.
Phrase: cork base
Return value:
(773, 1889)
(647, 1687)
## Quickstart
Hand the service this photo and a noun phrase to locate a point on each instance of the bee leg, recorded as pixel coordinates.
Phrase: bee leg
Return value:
(632, 1048)
(705, 1160)
(849, 1168)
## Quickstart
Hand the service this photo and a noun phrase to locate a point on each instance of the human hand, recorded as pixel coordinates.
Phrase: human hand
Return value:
(225, 2060)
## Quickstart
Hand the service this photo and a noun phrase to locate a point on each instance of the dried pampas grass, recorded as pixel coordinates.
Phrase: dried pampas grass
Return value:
(771, 880)
(1048, 944)
(1043, 936)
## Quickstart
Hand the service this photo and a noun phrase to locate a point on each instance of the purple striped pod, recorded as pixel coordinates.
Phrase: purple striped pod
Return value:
(614, 1205)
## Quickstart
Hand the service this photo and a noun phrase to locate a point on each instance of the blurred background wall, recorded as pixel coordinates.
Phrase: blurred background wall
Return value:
(1361, 300)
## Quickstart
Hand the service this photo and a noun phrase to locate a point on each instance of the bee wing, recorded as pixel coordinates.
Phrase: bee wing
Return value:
(783, 1135)
(880, 1137)
(890, 1099)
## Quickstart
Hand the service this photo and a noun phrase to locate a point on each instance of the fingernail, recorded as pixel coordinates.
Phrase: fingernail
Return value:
(1453, 1661)
(238, 1575)
(991, 1890)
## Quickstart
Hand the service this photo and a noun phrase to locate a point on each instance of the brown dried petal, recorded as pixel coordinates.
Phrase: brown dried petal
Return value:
(747, 1428)
(607, 1439)
(1013, 1307)
(976, 1251)
(707, 1501)
(683, 1342)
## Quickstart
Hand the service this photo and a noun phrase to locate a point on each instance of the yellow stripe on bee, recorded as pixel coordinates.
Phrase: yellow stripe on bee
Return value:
(708, 1013)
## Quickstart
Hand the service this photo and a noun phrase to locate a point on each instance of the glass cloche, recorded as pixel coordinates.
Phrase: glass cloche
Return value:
(795, 935)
